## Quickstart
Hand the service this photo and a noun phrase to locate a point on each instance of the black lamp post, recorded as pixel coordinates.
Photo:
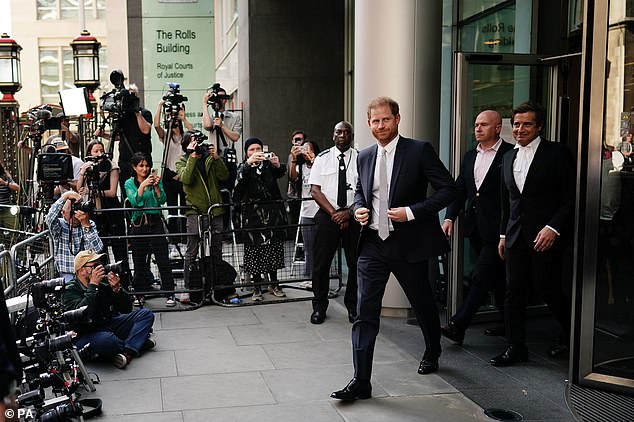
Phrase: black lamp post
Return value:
(86, 62)
(10, 79)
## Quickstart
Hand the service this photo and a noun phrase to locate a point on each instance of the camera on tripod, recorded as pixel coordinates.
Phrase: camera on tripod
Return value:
(215, 99)
(173, 101)
(120, 100)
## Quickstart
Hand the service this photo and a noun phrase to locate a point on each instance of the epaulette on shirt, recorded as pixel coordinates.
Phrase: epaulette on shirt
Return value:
(324, 152)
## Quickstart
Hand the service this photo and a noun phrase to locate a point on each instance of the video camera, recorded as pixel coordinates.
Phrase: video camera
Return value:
(120, 100)
(173, 101)
(202, 148)
(41, 119)
(215, 100)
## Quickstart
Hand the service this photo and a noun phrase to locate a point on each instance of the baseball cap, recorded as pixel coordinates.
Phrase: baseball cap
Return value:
(59, 144)
(84, 257)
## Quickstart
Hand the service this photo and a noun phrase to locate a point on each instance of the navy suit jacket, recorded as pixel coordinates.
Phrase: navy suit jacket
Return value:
(548, 197)
(416, 165)
(482, 210)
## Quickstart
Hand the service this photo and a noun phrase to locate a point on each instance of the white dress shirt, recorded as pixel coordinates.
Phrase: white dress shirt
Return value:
(390, 151)
(523, 161)
(483, 161)
(325, 174)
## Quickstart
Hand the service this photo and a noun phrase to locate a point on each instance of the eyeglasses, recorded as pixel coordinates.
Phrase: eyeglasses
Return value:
(91, 266)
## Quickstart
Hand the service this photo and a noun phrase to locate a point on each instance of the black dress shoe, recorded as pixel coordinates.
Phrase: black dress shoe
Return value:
(558, 350)
(453, 333)
(513, 354)
(352, 316)
(428, 366)
(355, 390)
(498, 331)
(317, 317)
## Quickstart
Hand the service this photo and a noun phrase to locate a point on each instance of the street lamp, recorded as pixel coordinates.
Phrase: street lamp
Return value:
(10, 81)
(86, 61)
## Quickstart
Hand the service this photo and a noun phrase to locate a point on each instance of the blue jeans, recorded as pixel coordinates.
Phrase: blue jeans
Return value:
(125, 332)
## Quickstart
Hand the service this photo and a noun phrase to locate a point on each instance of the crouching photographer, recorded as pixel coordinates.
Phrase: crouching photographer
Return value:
(72, 232)
(115, 331)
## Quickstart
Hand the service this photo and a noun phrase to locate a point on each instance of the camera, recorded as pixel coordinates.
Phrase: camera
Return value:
(120, 100)
(173, 101)
(268, 155)
(215, 100)
(202, 148)
(86, 206)
(116, 267)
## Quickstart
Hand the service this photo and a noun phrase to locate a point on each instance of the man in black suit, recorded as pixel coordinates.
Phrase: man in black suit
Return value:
(400, 233)
(538, 196)
(479, 185)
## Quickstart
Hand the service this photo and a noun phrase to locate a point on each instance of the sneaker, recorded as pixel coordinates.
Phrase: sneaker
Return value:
(171, 301)
(183, 298)
(139, 301)
(120, 360)
(149, 343)
(276, 291)
(257, 295)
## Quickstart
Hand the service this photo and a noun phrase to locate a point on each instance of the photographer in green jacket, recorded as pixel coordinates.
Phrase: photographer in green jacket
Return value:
(200, 170)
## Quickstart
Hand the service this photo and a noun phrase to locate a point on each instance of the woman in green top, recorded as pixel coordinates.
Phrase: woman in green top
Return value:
(145, 190)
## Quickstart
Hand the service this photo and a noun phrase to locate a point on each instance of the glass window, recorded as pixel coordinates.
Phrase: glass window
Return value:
(490, 32)
(470, 8)
(613, 352)
(69, 9)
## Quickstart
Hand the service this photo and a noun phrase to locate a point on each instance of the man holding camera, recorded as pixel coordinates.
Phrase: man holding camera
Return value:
(71, 233)
(332, 178)
(201, 171)
(226, 125)
(134, 133)
(115, 331)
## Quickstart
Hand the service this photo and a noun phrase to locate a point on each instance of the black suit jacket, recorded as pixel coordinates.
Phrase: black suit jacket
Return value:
(482, 210)
(548, 196)
(416, 165)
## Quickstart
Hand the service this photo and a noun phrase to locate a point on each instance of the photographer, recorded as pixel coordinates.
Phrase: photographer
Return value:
(98, 183)
(226, 125)
(71, 233)
(171, 182)
(115, 331)
(134, 134)
(7, 187)
(145, 190)
(201, 171)
(66, 134)
(301, 163)
(258, 196)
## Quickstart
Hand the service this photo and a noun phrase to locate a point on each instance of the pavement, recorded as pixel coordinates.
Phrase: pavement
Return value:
(268, 363)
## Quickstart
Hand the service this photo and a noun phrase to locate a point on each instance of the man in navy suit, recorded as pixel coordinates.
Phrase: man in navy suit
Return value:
(400, 233)
(479, 185)
(538, 195)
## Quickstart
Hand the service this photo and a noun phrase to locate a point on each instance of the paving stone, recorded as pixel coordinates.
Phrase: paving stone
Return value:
(402, 379)
(305, 412)
(273, 333)
(222, 359)
(193, 338)
(218, 317)
(152, 364)
(139, 396)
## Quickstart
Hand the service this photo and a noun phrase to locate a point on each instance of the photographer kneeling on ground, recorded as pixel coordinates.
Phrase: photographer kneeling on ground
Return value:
(70, 238)
(115, 331)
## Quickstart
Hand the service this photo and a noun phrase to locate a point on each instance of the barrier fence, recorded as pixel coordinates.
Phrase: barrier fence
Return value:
(151, 257)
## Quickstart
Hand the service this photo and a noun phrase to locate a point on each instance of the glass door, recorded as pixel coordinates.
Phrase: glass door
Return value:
(496, 82)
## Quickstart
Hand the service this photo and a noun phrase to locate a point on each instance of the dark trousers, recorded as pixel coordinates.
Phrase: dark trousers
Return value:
(327, 236)
(143, 247)
(174, 193)
(126, 332)
(488, 274)
(377, 259)
(111, 223)
(542, 271)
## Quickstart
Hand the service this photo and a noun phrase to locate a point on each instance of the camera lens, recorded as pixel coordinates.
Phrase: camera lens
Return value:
(115, 268)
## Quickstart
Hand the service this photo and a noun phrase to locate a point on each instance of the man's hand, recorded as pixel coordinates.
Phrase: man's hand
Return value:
(341, 217)
(544, 240)
(83, 218)
(447, 227)
(218, 122)
(362, 215)
(256, 158)
(502, 248)
(206, 96)
(97, 274)
(295, 151)
(115, 282)
(213, 152)
(397, 214)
